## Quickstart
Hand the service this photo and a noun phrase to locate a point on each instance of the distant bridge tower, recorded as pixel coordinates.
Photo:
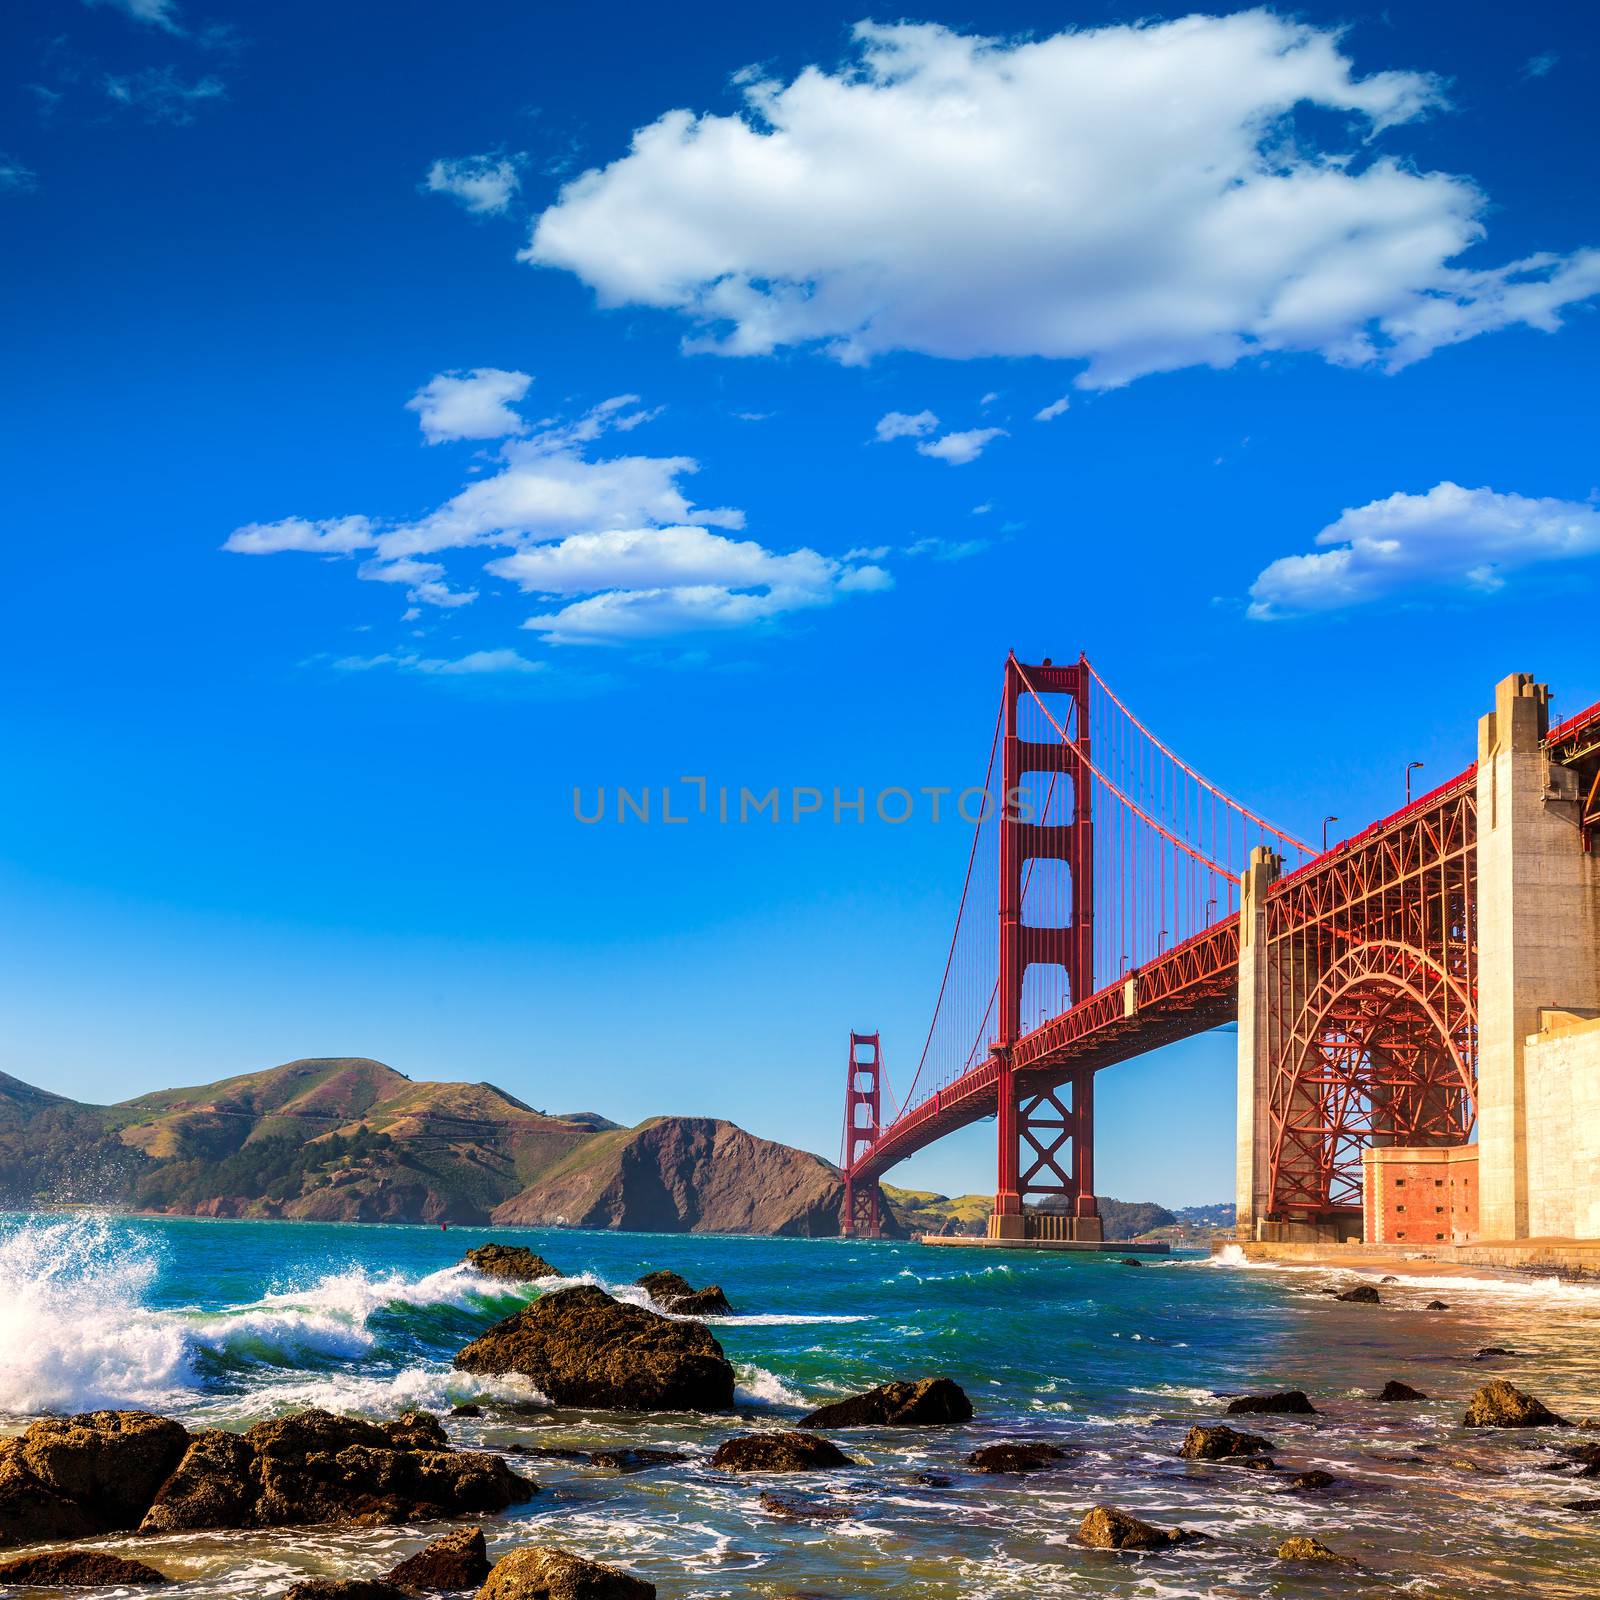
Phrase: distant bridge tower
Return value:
(1057, 1139)
(863, 1121)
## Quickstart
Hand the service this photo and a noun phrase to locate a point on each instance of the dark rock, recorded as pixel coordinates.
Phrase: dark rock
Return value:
(1363, 1294)
(541, 1572)
(777, 1505)
(582, 1348)
(1129, 1261)
(1583, 1505)
(1585, 1459)
(1028, 1455)
(77, 1569)
(1388, 1277)
(1303, 1482)
(547, 1452)
(316, 1467)
(1259, 1464)
(1394, 1390)
(1436, 1305)
(931, 1480)
(467, 1410)
(1218, 1442)
(635, 1458)
(1106, 1528)
(778, 1452)
(346, 1589)
(677, 1294)
(1489, 1351)
(70, 1477)
(459, 1560)
(924, 1403)
(1292, 1402)
(1499, 1405)
(1302, 1547)
(511, 1261)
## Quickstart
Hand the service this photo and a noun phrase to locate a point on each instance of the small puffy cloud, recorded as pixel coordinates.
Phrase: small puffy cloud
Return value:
(470, 405)
(334, 537)
(159, 95)
(476, 664)
(1541, 65)
(1050, 412)
(16, 178)
(957, 449)
(161, 14)
(424, 580)
(1137, 198)
(485, 185)
(1448, 538)
(904, 425)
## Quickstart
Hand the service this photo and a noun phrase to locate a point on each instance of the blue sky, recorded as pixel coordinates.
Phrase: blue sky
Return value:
(593, 397)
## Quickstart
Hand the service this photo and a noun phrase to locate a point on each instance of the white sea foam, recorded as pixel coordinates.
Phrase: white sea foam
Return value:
(755, 1386)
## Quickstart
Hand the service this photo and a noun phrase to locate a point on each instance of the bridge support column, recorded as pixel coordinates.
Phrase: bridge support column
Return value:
(1253, 1189)
(1538, 900)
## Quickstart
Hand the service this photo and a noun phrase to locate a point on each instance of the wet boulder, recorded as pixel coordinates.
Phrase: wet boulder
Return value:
(779, 1452)
(1107, 1528)
(346, 1589)
(459, 1560)
(69, 1477)
(1129, 1261)
(1302, 1547)
(77, 1569)
(315, 1467)
(1218, 1442)
(1501, 1405)
(777, 1505)
(926, 1402)
(582, 1348)
(673, 1292)
(1025, 1455)
(1291, 1402)
(542, 1572)
(1436, 1305)
(1362, 1295)
(635, 1458)
(514, 1262)
(1307, 1482)
(468, 1408)
(1394, 1392)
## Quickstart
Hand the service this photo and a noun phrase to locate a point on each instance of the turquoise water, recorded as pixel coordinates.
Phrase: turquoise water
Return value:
(222, 1323)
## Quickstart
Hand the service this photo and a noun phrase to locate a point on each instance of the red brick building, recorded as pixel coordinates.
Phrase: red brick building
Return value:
(1419, 1196)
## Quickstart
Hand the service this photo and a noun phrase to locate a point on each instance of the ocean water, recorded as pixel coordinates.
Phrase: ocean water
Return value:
(222, 1323)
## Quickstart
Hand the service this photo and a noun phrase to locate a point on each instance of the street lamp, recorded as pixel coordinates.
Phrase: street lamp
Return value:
(1411, 766)
(1325, 822)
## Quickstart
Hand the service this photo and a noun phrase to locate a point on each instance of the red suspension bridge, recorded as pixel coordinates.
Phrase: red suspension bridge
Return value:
(1116, 900)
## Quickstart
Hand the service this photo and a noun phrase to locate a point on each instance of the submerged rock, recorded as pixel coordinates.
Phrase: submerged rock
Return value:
(1490, 1351)
(1394, 1391)
(513, 1261)
(582, 1348)
(1316, 1478)
(459, 1560)
(346, 1589)
(1500, 1405)
(467, 1410)
(1107, 1528)
(1363, 1294)
(675, 1293)
(926, 1402)
(777, 1505)
(1292, 1402)
(1302, 1547)
(77, 1569)
(779, 1452)
(1436, 1305)
(542, 1572)
(635, 1458)
(1029, 1455)
(1218, 1442)
(71, 1477)
(316, 1467)
(1129, 1261)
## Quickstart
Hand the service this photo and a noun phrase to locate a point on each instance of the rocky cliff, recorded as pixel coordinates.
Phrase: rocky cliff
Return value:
(683, 1175)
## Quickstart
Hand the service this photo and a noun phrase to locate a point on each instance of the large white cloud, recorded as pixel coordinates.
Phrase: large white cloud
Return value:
(615, 538)
(1449, 537)
(470, 405)
(1137, 198)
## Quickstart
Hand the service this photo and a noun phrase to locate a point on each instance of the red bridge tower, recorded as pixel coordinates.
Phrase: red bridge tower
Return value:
(863, 1121)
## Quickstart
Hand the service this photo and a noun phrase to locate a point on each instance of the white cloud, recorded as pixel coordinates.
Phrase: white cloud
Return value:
(947, 549)
(1050, 412)
(162, 96)
(615, 537)
(1449, 537)
(16, 178)
(485, 185)
(1541, 65)
(333, 536)
(1137, 198)
(470, 405)
(904, 425)
(161, 14)
(477, 663)
(959, 448)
